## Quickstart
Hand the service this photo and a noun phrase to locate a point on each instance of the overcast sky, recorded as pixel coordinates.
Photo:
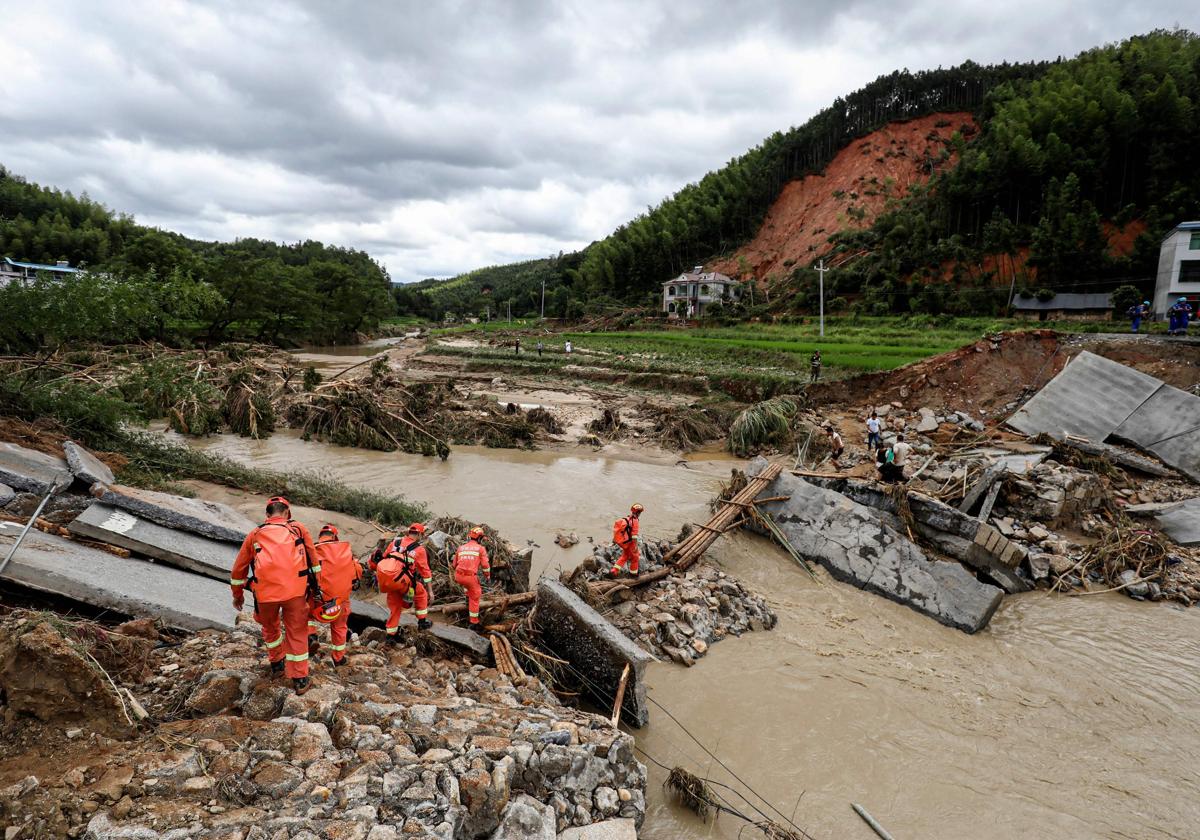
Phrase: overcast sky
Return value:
(443, 136)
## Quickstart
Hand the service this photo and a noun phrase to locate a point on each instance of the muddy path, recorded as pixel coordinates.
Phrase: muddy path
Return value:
(1067, 717)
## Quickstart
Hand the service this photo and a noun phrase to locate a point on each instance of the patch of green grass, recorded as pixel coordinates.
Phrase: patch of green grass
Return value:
(155, 462)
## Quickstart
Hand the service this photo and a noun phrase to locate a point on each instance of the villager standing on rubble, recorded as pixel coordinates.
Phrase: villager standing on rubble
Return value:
(900, 453)
(277, 563)
(403, 575)
(836, 447)
(814, 365)
(339, 575)
(470, 558)
(625, 532)
(874, 441)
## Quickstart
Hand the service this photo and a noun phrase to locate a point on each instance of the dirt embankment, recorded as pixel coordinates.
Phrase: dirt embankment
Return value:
(992, 374)
(850, 193)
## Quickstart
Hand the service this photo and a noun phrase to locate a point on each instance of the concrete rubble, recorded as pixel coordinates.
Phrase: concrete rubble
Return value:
(867, 548)
(596, 649)
(29, 471)
(207, 519)
(394, 744)
(86, 467)
(61, 567)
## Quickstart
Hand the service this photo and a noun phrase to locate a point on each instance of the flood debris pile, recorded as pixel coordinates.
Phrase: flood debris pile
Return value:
(393, 744)
(510, 564)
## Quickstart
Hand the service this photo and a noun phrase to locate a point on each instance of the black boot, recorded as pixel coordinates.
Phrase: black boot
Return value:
(276, 669)
(424, 623)
(300, 685)
(338, 663)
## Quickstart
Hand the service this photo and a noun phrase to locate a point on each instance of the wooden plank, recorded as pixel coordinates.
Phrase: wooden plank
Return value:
(616, 712)
(986, 510)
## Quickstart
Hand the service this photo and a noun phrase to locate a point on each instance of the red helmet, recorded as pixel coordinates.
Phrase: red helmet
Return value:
(475, 533)
(416, 528)
(326, 612)
(636, 509)
(280, 500)
(329, 528)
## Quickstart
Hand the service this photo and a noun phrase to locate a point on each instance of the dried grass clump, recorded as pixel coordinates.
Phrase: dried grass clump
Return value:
(545, 419)
(692, 791)
(762, 424)
(248, 410)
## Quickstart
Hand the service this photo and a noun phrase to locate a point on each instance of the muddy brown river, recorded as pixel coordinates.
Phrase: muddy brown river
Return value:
(1069, 717)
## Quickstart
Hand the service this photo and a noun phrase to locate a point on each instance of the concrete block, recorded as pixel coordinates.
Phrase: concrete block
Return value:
(1168, 425)
(208, 519)
(58, 566)
(621, 829)
(7, 494)
(480, 647)
(201, 555)
(87, 467)
(595, 648)
(1182, 522)
(1090, 398)
(866, 547)
(30, 471)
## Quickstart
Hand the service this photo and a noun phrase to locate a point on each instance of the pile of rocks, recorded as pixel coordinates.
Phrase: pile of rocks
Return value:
(681, 615)
(393, 744)
(1055, 494)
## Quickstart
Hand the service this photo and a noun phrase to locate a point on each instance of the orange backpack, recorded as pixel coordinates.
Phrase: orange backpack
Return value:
(279, 570)
(396, 571)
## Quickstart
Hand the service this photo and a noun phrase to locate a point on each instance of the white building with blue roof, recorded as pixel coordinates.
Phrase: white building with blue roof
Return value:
(25, 272)
(1178, 268)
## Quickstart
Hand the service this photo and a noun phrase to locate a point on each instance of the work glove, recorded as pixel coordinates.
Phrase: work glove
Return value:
(239, 601)
(356, 584)
(487, 576)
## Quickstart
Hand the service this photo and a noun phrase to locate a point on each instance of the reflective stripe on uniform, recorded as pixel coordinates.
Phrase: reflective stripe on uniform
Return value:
(297, 657)
(315, 569)
(274, 644)
(337, 647)
(474, 615)
(427, 581)
(422, 613)
(315, 624)
(236, 582)
(391, 630)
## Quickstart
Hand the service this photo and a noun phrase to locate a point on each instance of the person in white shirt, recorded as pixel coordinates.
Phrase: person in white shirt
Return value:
(836, 447)
(874, 441)
(568, 347)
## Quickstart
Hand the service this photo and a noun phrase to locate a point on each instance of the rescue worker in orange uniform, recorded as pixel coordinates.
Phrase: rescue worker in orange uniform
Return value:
(277, 563)
(468, 560)
(402, 572)
(339, 575)
(625, 531)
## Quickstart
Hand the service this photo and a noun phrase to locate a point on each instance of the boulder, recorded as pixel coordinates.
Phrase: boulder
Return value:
(7, 494)
(526, 819)
(87, 467)
(620, 829)
(866, 547)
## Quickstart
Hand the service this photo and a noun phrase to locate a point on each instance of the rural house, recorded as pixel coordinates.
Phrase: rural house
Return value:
(1064, 306)
(11, 269)
(690, 293)
(1178, 267)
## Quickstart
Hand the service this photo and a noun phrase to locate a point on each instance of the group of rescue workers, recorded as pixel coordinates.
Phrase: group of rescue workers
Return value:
(1178, 316)
(299, 586)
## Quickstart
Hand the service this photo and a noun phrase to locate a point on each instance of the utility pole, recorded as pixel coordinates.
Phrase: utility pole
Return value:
(543, 298)
(821, 269)
(509, 302)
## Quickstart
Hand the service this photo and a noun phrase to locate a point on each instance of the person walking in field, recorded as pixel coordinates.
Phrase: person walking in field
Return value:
(539, 349)
(1179, 314)
(1136, 313)
(814, 365)
(568, 347)
(874, 440)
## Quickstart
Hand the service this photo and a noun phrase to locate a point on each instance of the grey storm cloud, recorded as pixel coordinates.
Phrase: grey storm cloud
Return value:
(444, 136)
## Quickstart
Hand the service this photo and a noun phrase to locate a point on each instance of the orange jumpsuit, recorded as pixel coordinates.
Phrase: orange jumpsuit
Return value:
(339, 571)
(625, 531)
(468, 560)
(405, 578)
(278, 550)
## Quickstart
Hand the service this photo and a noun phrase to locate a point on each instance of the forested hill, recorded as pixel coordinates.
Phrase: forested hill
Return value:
(251, 288)
(1065, 152)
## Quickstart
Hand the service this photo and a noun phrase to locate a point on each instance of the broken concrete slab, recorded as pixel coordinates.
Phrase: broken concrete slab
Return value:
(30, 471)
(618, 829)
(85, 466)
(1150, 508)
(1120, 457)
(595, 648)
(480, 647)
(865, 547)
(1168, 425)
(982, 486)
(1182, 522)
(194, 553)
(1089, 398)
(7, 494)
(208, 519)
(58, 566)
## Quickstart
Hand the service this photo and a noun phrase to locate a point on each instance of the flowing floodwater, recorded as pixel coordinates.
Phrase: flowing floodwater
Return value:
(1068, 717)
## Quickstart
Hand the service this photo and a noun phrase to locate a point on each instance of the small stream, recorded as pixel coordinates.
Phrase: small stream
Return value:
(1068, 717)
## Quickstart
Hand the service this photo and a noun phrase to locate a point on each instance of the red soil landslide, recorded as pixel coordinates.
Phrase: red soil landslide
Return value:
(885, 164)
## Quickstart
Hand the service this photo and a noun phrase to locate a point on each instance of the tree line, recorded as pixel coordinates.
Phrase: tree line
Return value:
(145, 283)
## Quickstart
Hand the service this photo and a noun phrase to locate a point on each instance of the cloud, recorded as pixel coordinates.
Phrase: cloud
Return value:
(444, 136)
